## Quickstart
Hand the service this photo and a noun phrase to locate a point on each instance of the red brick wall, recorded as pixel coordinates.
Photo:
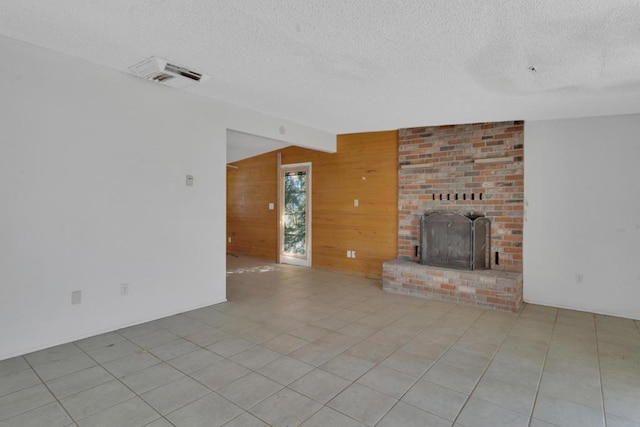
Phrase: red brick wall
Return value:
(452, 178)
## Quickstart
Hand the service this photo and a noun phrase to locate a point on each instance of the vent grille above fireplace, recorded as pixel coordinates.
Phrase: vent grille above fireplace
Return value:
(451, 239)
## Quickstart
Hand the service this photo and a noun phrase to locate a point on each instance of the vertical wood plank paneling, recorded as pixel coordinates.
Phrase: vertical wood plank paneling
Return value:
(365, 167)
(251, 226)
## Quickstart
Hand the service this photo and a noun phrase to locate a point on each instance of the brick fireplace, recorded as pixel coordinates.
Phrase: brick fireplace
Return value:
(476, 169)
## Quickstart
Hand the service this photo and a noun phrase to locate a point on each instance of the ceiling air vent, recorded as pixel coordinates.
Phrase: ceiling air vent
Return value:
(161, 71)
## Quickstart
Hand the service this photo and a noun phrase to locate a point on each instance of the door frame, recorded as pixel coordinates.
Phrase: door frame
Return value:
(282, 259)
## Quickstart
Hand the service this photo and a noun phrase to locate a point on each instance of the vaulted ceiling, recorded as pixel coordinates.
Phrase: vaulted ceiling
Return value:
(361, 65)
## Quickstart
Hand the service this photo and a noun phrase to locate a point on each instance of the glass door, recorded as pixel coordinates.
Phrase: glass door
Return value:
(295, 215)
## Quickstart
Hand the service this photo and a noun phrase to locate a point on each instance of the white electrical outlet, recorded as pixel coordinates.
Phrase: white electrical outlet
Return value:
(229, 239)
(356, 203)
(348, 254)
(353, 254)
(124, 289)
(76, 297)
(271, 206)
(579, 278)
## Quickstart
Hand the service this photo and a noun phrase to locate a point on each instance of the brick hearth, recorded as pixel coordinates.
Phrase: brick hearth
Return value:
(494, 289)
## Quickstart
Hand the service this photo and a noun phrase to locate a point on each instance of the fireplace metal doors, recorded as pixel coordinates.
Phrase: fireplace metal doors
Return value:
(454, 240)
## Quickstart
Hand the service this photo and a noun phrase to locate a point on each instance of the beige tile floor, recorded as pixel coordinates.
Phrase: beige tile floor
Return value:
(295, 346)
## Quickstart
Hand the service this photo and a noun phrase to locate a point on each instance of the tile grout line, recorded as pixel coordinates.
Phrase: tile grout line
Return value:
(120, 381)
(604, 412)
(368, 370)
(432, 364)
(49, 390)
(487, 367)
(544, 362)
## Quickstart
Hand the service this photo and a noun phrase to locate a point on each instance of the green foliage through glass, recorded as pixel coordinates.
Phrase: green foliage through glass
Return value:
(295, 213)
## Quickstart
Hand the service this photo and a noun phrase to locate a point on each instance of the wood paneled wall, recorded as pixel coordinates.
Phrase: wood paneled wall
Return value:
(365, 167)
(251, 226)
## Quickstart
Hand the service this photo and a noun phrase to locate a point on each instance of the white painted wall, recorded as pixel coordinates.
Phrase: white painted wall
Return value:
(582, 186)
(92, 180)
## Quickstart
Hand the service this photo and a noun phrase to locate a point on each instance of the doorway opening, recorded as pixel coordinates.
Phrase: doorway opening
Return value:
(295, 214)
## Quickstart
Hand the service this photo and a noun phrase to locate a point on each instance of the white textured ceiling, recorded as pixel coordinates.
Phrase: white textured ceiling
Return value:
(358, 65)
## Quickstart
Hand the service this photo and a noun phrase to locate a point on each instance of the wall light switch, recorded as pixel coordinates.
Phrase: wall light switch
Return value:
(353, 254)
(356, 203)
(271, 206)
(189, 180)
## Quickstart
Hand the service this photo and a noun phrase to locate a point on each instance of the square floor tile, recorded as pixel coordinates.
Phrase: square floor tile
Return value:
(562, 412)
(389, 338)
(171, 396)
(348, 367)
(79, 381)
(586, 393)
(52, 354)
(337, 341)
(510, 395)
(328, 417)
(320, 385)
(139, 330)
(220, 374)
(173, 349)
(478, 413)
(371, 351)
(623, 405)
(18, 381)
(285, 343)
(615, 421)
(99, 341)
(330, 322)
(285, 370)
(409, 416)
(150, 378)
(211, 410)
(96, 399)
(357, 330)
(285, 408)
(24, 400)
(314, 354)
(188, 327)
(456, 378)
(309, 332)
(154, 339)
(258, 335)
(130, 413)
(230, 346)
(250, 390)
(255, 357)
(13, 365)
(388, 381)
(245, 420)
(408, 363)
(362, 403)
(194, 361)
(113, 351)
(436, 399)
(60, 368)
(51, 415)
(207, 338)
(130, 364)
